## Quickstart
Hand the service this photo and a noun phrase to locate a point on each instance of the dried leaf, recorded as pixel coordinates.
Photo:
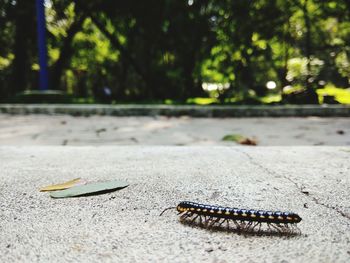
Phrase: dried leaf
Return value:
(240, 139)
(248, 141)
(62, 186)
(90, 189)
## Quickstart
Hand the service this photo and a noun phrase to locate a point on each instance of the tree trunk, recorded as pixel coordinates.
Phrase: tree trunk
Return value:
(307, 44)
(24, 36)
(311, 93)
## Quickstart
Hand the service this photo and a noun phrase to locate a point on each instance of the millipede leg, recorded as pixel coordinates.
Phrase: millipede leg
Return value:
(259, 230)
(227, 224)
(256, 223)
(275, 227)
(213, 222)
(238, 226)
(207, 221)
(194, 219)
(200, 220)
(269, 225)
(222, 223)
(288, 228)
(249, 225)
(281, 227)
(185, 215)
(245, 226)
(297, 229)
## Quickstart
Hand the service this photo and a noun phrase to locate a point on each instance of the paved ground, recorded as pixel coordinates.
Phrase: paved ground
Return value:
(125, 226)
(97, 130)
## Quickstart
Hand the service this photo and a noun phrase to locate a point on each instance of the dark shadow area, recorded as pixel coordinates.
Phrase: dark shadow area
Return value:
(94, 193)
(247, 232)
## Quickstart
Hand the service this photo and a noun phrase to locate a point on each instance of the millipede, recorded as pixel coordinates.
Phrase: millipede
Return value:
(243, 219)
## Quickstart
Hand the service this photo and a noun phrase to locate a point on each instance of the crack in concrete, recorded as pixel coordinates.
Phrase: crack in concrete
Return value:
(342, 213)
(300, 188)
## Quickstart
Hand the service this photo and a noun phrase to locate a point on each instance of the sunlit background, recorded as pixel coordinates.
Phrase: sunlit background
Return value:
(181, 51)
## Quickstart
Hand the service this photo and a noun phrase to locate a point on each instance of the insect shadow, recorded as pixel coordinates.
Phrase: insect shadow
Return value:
(239, 228)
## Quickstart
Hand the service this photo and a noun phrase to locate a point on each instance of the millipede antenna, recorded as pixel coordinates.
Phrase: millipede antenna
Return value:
(167, 209)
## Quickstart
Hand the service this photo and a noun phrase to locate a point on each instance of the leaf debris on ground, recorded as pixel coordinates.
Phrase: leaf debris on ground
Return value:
(90, 189)
(240, 139)
(62, 186)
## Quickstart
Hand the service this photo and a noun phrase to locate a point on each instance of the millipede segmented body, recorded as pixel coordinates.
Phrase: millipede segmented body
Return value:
(244, 219)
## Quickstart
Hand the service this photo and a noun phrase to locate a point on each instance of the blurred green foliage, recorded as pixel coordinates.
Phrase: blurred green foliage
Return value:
(181, 51)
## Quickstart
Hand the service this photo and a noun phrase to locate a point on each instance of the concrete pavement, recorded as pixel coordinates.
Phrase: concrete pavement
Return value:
(125, 226)
(106, 130)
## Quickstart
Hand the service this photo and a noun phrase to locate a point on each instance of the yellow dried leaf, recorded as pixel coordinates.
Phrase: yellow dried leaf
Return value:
(62, 186)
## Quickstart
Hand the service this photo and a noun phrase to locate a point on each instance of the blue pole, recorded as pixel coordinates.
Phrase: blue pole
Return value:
(41, 27)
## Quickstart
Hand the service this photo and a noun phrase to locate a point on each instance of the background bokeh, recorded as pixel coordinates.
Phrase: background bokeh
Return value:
(181, 51)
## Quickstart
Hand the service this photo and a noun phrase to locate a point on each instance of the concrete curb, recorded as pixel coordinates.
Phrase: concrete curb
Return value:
(179, 110)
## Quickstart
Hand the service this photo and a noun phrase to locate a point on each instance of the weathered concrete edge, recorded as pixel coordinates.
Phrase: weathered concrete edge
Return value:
(179, 110)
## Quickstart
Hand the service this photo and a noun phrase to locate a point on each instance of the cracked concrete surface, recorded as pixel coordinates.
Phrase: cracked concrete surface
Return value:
(106, 130)
(125, 226)
(301, 188)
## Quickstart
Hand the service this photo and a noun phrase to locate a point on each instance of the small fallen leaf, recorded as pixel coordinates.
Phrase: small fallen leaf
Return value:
(62, 186)
(248, 141)
(90, 189)
(240, 139)
(233, 137)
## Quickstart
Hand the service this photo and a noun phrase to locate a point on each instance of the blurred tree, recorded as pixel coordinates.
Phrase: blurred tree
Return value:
(6, 42)
(155, 50)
